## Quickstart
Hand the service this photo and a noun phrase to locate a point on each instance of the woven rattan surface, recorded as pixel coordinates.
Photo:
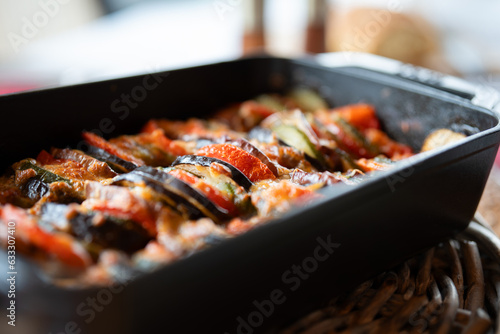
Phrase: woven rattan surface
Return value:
(451, 288)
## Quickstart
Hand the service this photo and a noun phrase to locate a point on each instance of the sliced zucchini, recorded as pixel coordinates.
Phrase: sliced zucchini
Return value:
(294, 137)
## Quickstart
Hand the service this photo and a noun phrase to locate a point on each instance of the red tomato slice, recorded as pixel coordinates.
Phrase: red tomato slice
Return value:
(387, 146)
(255, 109)
(158, 137)
(249, 165)
(63, 246)
(45, 158)
(103, 144)
(212, 193)
(122, 203)
(347, 142)
(360, 115)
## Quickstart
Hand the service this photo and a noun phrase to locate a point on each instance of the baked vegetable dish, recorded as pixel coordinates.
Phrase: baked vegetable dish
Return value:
(130, 204)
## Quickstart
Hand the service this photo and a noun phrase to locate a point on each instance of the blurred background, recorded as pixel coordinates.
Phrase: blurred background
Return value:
(46, 43)
(51, 42)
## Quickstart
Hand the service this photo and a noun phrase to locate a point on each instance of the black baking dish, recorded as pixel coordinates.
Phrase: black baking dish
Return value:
(359, 231)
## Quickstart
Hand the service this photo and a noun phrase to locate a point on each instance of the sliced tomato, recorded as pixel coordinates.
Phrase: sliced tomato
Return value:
(176, 129)
(62, 246)
(45, 158)
(387, 146)
(157, 136)
(212, 193)
(360, 115)
(122, 203)
(249, 165)
(255, 109)
(103, 144)
(171, 146)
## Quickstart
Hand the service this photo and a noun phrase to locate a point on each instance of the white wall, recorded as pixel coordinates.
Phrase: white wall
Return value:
(23, 21)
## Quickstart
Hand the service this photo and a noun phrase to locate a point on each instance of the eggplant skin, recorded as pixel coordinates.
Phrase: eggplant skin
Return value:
(112, 233)
(250, 148)
(34, 188)
(189, 201)
(117, 164)
(262, 134)
(96, 230)
(200, 160)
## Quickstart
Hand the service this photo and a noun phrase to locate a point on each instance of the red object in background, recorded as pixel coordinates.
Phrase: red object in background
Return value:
(497, 159)
(8, 89)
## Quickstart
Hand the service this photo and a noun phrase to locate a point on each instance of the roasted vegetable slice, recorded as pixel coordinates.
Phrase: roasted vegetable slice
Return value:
(360, 115)
(201, 160)
(293, 129)
(387, 146)
(33, 180)
(249, 165)
(218, 177)
(93, 165)
(41, 174)
(212, 193)
(112, 149)
(250, 148)
(117, 164)
(179, 194)
(441, 137)
(60, 245)
(95, 229)
(292, 136)
(122, 203)
(377, 163)
(307, 100)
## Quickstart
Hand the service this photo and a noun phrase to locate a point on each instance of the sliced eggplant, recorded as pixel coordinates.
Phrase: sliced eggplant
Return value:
(236, 174)
(109, 232)
(94, 229)
(54, 216)
(233, 191)
(117, 164)
(247, 146)
(188, 200)
(34, 189)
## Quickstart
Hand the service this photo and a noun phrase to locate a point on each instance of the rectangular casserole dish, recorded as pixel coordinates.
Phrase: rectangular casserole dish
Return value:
(354, 233)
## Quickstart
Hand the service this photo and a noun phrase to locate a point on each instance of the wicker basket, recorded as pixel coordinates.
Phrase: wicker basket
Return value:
(451, 288)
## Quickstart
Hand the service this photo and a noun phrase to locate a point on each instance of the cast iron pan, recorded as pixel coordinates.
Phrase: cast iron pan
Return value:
(245, 285)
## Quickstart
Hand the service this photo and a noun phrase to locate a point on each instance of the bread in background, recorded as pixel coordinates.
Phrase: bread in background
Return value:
(404, 37)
